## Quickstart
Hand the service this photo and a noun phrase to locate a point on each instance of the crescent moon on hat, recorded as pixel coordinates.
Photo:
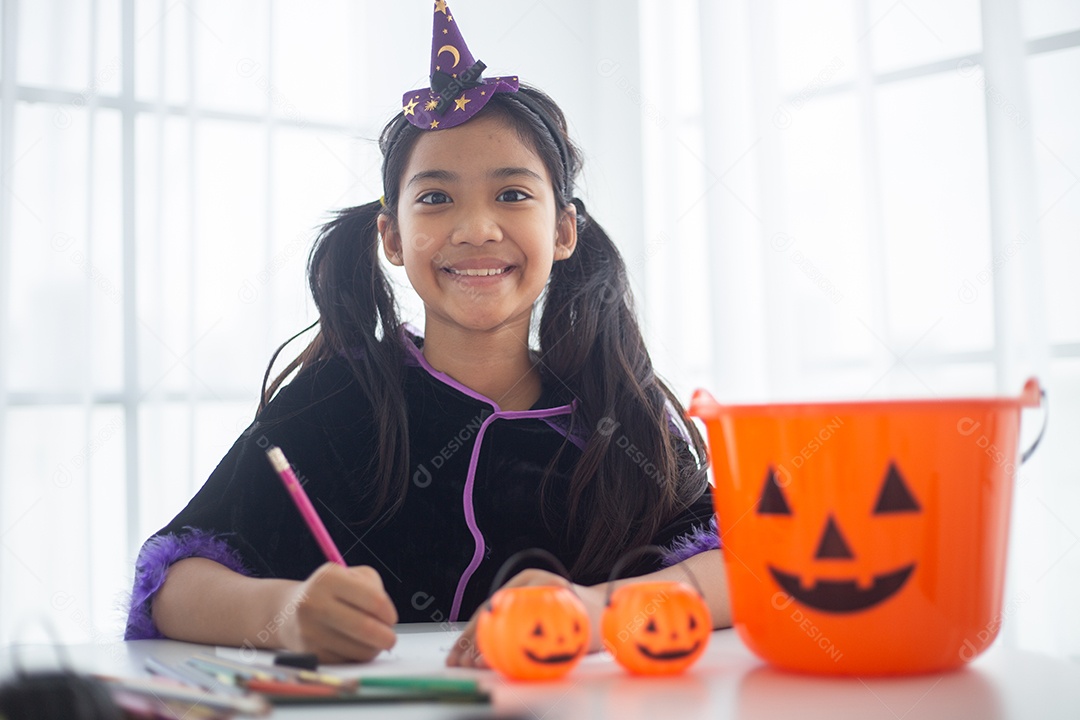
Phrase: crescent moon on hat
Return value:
(453, 51)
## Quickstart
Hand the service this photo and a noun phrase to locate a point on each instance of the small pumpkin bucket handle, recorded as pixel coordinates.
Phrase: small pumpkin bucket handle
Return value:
(1034, 396)
(517, 558)
(633, 555)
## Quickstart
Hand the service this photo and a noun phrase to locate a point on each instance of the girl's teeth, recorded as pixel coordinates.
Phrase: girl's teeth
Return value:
(480, 273)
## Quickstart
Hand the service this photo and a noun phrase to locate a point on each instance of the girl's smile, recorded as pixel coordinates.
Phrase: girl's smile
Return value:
(479, 272)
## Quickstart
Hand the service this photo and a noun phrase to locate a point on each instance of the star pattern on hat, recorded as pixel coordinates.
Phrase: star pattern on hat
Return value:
(458, 88)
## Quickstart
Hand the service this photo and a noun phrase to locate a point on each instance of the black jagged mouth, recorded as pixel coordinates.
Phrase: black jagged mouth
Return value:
(553, 659)
(668, 654)
(843, 596)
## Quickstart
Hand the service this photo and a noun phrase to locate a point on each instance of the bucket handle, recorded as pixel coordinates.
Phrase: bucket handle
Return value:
(1033, 396)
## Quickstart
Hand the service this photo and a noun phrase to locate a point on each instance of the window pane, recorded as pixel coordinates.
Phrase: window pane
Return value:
(907, 379)
(161, 36)
(915, 32)
(935, 213)
(1056, 116)
(230, 54)
(316, 173)
(166, 477)
(62, 61)
(163, 238)
(1049, 17)
(108, 77)
(107, 557)
(815, 44)
(229, 346)
(51, 464)
(826, 248)
(50, 250)
(105, 271)
(1043, 562)
(316, 58)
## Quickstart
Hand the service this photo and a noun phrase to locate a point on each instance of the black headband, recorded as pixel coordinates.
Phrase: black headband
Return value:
(556, 134)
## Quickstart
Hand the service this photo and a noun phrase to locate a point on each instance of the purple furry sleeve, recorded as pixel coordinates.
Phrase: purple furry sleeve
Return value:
(156, 556)
(699, 540)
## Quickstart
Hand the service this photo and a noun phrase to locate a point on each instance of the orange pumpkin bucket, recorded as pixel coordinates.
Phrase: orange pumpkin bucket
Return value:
(658, 627)
(866, 537)
(537, 632)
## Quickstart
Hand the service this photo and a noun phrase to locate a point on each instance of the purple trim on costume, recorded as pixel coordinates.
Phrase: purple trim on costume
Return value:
(470, 479)
(674, 424)
(699, 540)
(573, 437)
(157, 554)
(418, 357)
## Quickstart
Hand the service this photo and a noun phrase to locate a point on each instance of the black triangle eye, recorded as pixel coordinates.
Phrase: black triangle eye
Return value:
(895, 495)
(651, 627)
(772, 500)
(538, 631)
(693, 623)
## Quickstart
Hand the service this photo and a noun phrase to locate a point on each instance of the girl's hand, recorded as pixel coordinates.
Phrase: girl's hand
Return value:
(340, 614)
(465, 652)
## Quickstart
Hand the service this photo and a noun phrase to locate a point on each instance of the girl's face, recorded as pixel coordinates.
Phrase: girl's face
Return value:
(477, 228)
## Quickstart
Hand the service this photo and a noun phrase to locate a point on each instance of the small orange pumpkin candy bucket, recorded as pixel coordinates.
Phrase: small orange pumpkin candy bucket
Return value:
(866, 537)
(536, 632)
(658, 627)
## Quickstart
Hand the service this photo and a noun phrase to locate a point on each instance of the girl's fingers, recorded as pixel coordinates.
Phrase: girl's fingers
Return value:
(335, 647)
(343, 632)
(344, 614)
(361, 587)
(464, 648)
(362, 628)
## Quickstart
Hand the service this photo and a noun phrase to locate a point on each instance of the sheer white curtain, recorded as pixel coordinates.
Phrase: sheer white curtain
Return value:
(857, 198)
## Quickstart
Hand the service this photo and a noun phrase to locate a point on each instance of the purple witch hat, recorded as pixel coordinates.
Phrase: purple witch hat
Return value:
(457, 89)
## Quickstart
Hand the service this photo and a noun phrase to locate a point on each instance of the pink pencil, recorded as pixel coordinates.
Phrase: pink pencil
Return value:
(303, 504)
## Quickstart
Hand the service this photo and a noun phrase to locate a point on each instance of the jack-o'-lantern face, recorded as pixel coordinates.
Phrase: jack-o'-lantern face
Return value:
(842, 594)
(656, 628)
(533, 632)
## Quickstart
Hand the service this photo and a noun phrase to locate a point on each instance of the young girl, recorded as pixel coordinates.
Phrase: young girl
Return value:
(432, 459)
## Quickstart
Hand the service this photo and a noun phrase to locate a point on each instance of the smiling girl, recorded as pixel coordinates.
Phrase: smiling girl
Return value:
(433, 458)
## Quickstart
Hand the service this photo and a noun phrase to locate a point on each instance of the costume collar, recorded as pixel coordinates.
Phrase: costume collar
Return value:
(414, 341)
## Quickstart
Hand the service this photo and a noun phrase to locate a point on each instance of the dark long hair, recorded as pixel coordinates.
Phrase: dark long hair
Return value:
(589, 340)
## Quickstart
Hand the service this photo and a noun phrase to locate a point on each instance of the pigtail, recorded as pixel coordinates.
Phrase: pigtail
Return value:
(358, 321)
(591, 341)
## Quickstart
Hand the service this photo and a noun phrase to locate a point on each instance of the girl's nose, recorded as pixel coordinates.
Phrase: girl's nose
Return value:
(476, 228)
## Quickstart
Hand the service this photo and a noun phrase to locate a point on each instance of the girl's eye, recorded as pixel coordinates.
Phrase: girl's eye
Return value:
(435, 198)
(513, 196)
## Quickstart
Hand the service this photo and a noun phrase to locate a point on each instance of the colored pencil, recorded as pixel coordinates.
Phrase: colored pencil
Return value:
(303, 504)
(169, 690)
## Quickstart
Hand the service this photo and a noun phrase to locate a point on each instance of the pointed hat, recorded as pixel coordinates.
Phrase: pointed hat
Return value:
(458, 91)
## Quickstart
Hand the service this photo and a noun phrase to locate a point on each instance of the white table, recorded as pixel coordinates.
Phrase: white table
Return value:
(728, 681)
